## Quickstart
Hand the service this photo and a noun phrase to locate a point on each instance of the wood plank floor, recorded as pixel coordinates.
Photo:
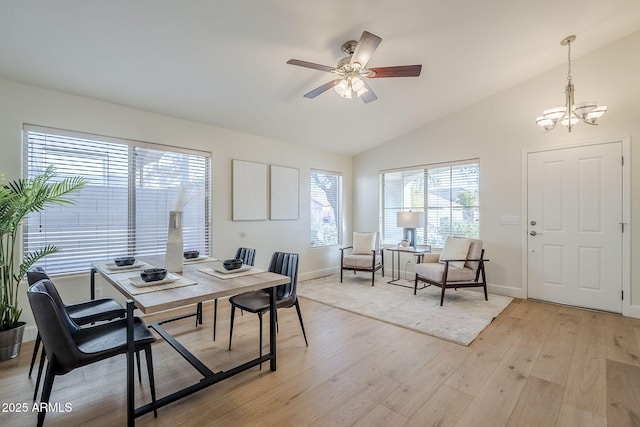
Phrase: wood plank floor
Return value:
(537, 364)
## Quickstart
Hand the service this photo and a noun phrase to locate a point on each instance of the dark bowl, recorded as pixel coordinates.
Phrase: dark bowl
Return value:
(232, 264)
(153, 274)
(191, 254)
(125, 260)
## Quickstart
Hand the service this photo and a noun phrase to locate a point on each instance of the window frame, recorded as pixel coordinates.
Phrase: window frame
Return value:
(33, 137)
(338, 217)
(388, 229)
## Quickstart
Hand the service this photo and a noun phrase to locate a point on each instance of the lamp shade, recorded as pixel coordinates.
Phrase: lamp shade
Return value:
(410, 219)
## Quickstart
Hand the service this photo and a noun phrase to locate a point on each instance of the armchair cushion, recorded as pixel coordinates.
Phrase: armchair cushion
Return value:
(363, 243)
(434, 271)
(455, 248)
(360, 261)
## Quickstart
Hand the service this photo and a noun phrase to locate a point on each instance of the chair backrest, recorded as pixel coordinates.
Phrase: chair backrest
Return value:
(35, 274)
(53, 323)
(285, 264)
(247, 255)
(475, 252)
(363, 243)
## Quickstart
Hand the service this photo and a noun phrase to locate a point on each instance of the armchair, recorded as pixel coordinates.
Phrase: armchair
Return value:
(459, 265)
(364, 255)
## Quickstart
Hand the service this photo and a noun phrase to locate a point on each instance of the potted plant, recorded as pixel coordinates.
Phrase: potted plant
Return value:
(18, 199)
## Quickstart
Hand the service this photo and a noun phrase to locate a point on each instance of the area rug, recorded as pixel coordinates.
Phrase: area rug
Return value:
(464, 315)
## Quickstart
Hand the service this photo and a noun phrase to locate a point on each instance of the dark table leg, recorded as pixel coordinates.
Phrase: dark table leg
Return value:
(131, 421)
(272, 327)
(93, 283)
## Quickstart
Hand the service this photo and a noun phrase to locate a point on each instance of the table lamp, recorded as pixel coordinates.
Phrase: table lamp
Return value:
(410, 221)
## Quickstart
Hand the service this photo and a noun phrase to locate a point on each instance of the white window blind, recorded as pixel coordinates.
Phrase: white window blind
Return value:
(448, 195)
(326, 208)
(124, 208)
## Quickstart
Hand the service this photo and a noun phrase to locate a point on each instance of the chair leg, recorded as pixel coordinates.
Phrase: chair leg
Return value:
(46, 391)
(304, 334)
(36, 347)
(199, 314)
(341, 270)
(373, 277)
(138, 363)
(442, 295)
(152, 382)
(43, 356)
(215, 317)
(233, 313)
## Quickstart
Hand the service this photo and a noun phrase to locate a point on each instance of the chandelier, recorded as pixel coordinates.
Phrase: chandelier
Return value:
(570, 114)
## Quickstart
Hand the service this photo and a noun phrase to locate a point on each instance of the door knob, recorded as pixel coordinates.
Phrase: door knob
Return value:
(533, 233)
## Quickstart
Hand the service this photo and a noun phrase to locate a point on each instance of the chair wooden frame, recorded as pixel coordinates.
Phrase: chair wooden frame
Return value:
(479, 281)
(373, 268)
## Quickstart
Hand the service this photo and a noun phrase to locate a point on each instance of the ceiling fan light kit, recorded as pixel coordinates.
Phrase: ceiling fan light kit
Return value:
(570, 114)
(353, 72)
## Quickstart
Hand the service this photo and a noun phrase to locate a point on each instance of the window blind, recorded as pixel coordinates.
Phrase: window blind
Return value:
(448, 194)
(326, 208)
(124, 208)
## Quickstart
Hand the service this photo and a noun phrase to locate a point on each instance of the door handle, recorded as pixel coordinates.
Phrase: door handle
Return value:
(533, 233)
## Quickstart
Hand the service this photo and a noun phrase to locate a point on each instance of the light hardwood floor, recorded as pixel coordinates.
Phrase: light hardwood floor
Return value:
(537, 364)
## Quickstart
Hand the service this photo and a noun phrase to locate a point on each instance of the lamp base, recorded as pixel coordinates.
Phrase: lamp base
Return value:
(409, 234)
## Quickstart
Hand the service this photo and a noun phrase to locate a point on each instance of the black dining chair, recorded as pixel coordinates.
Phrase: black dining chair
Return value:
(84, 313)
(286, 295)
(69, 347)
(248, 257)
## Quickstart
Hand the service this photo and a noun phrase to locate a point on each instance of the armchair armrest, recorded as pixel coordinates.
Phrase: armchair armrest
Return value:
(346, 247)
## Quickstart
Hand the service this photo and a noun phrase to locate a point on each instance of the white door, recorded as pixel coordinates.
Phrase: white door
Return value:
(574, 226)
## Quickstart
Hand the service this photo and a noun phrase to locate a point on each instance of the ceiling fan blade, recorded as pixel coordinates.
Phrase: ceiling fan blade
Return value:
(399, 71)
(310, 65)
(365, 48)
(368, 96)
(322, 89)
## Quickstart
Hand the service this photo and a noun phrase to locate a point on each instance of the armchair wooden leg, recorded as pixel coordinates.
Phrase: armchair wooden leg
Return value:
(442, 295)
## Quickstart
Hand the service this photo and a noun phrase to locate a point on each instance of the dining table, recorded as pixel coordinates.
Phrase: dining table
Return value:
(199, 281)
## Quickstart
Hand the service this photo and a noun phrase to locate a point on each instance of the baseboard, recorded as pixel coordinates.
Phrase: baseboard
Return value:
(308, 275)
(30, 333)
(507, 291)
(634, 311)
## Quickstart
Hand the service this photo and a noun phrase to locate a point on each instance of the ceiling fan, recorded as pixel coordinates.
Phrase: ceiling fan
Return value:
(353, 70)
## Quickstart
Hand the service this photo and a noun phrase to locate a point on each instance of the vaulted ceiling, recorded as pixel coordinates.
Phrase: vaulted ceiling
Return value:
(224, 62)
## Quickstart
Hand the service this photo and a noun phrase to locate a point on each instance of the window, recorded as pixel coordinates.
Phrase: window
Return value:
(124, 208)
(447, 194)
(326, 208)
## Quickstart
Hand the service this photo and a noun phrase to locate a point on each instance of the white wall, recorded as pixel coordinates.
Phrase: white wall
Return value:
(497, 130)
(27, 104)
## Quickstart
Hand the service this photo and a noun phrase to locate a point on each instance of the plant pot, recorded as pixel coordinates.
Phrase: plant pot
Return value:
(11, 341)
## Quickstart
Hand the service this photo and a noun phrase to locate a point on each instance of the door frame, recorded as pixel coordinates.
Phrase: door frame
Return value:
(626, 214)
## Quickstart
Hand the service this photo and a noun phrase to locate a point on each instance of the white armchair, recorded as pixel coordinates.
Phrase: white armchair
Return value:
(459, 265)
(365, 254)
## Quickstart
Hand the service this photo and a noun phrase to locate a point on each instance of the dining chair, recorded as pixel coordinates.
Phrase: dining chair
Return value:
(84, 313)
(68, 346)
(286, 295)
